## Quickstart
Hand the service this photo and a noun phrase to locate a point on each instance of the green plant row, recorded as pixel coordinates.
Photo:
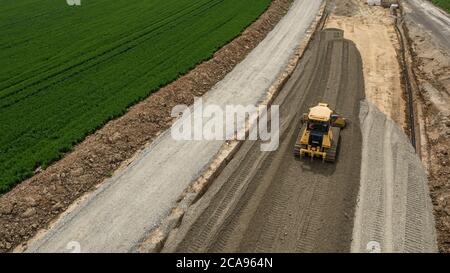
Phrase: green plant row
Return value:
(67, 70)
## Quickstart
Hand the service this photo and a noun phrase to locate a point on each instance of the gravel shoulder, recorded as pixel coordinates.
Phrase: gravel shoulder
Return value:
(121, 212)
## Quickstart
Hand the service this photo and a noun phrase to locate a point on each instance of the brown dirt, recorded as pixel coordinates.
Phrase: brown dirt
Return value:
(431, 65)
(373, 31)
(273, 202)
(33, 204)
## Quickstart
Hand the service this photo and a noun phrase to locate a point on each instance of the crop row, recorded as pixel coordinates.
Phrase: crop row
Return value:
(65, 71)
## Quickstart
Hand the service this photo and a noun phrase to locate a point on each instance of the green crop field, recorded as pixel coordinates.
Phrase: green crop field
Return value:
(444, 4)
(66, 70)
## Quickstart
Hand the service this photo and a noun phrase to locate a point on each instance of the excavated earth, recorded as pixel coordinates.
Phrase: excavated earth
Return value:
(271, 201)
(262, 201)
(428, 28)
(36, 202)
(376, 194)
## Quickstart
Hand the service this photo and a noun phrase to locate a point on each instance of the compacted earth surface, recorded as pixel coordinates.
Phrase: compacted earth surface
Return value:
(377, 191)
(274, 202)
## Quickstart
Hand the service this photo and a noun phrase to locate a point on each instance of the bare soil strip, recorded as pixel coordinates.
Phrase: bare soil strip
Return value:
(428, 30)
(394, 206)
(265, 202)
(120, 213)
(34, 203)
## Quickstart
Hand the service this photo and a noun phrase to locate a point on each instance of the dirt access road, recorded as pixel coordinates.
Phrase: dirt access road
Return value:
(394, 208)
(264, 202)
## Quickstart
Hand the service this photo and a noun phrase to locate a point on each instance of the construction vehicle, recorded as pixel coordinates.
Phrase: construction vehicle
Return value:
(319, 135)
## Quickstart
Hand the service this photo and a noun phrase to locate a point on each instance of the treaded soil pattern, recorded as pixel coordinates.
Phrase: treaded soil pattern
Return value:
(430, 48)
(34, 203)
(273, 202)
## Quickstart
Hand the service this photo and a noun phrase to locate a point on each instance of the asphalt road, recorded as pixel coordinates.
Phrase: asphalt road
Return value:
(433, 20)
(122, 211)
(273, 202)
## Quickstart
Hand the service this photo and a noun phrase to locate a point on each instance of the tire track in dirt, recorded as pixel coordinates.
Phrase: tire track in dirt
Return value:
(394, 208)
(273, 202)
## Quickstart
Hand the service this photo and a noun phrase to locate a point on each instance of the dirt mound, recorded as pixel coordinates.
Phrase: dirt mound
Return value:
(428, 29)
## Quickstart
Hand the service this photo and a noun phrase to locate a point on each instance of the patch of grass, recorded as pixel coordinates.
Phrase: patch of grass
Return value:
(444, 4)
(67, 70)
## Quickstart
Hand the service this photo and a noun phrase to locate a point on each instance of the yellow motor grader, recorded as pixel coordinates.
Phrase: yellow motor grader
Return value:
(319, 135)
